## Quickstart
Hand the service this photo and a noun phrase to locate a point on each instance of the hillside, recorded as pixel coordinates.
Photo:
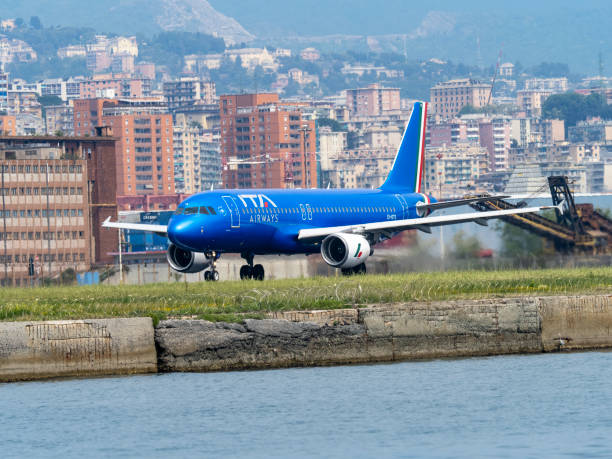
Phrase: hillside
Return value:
(529, 32)
(131, 16)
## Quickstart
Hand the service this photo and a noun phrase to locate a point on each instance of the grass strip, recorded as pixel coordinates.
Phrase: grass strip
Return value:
(235, 300)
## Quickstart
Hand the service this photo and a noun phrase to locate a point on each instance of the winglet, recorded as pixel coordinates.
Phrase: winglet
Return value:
(105, 222)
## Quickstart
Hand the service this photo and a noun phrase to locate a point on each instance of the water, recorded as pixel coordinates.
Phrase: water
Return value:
(548, 405)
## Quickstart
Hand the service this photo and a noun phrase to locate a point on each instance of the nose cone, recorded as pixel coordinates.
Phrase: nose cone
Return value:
(184, 232)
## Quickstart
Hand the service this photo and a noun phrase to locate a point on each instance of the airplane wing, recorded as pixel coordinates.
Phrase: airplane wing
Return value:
(162, 230)
(458, 202)
(424, 224)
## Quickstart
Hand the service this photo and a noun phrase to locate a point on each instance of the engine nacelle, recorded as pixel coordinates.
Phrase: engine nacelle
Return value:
(345, 250)
(185, 261)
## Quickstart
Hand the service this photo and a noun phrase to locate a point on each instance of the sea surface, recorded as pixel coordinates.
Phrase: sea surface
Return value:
(546, 405)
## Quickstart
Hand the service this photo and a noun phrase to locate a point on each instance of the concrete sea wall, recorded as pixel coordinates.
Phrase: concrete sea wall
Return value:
(35, 350)
(378, 333)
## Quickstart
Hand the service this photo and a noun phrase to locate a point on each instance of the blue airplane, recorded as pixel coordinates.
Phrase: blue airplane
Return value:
(342, 224)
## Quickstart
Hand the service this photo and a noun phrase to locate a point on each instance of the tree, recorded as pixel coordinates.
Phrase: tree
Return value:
(465, 247)
(46, 101)
(519, 243)
(551, 70)
(335, 125)
(572, 107)
(35, 23)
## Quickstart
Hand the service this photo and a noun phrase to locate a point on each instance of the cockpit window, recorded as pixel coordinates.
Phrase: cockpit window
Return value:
(179, 210)
(191, 210)
(203, 210)
(212, 211)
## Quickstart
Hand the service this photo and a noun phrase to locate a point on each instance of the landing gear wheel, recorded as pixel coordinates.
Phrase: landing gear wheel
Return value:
(359, 269)
(246, 272)
(347, 271)
(214, 275)
(206, 275)
(258, 272)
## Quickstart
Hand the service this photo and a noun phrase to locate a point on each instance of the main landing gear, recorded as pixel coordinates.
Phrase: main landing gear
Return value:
(359, 269)
(250, 271)
(213, 274)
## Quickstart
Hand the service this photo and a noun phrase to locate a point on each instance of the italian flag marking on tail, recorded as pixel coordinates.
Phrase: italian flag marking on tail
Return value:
(421, 157)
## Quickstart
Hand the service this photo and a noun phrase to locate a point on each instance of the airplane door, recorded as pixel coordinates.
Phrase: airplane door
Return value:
(233, 210)
(403, 204)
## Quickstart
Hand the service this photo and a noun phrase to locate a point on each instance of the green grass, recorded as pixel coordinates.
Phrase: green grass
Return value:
(233, 301)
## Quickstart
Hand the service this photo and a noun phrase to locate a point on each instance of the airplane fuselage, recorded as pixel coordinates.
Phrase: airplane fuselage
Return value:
(268, 221)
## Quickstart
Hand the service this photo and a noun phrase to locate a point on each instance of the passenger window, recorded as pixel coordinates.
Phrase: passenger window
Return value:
(212, 211)
(203, 210)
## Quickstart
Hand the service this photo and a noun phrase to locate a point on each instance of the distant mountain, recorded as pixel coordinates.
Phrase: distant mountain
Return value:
(529, 31)
(131, 16)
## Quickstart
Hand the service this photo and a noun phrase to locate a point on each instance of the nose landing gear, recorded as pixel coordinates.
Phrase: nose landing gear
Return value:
(250, 271)
(213, 274)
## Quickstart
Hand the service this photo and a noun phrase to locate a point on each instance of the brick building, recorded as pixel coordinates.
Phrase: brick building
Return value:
(8, 125)
(56, 192)
(144, 132)
(266, 143)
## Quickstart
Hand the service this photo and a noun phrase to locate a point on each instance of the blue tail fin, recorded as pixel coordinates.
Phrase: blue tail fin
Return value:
(407, 171)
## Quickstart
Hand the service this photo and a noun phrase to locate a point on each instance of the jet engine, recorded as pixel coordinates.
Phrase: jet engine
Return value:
(185, 261)
(345, 250)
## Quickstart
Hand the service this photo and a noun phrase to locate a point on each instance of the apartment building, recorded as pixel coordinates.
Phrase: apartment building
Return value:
(59, 118)
(449, 97)
(554, 85)
(189, 91)
(373, 101)
(531, 100)
(121, 85)
(266, 143)
(492, 133)
(453, 171)
(362, 167)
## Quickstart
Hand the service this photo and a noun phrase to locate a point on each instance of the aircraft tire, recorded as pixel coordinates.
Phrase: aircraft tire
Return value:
(214, 276)
(246, 272)
(360, 269)
(347, 271)
(206, 275)
(258, 272)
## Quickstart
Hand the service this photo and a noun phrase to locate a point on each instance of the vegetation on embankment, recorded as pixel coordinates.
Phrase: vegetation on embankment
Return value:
(235, 300)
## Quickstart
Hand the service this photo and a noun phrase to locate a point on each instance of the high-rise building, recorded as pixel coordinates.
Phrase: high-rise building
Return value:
(448, 98)
(266, 143)
(144, 132)
(373, 101)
